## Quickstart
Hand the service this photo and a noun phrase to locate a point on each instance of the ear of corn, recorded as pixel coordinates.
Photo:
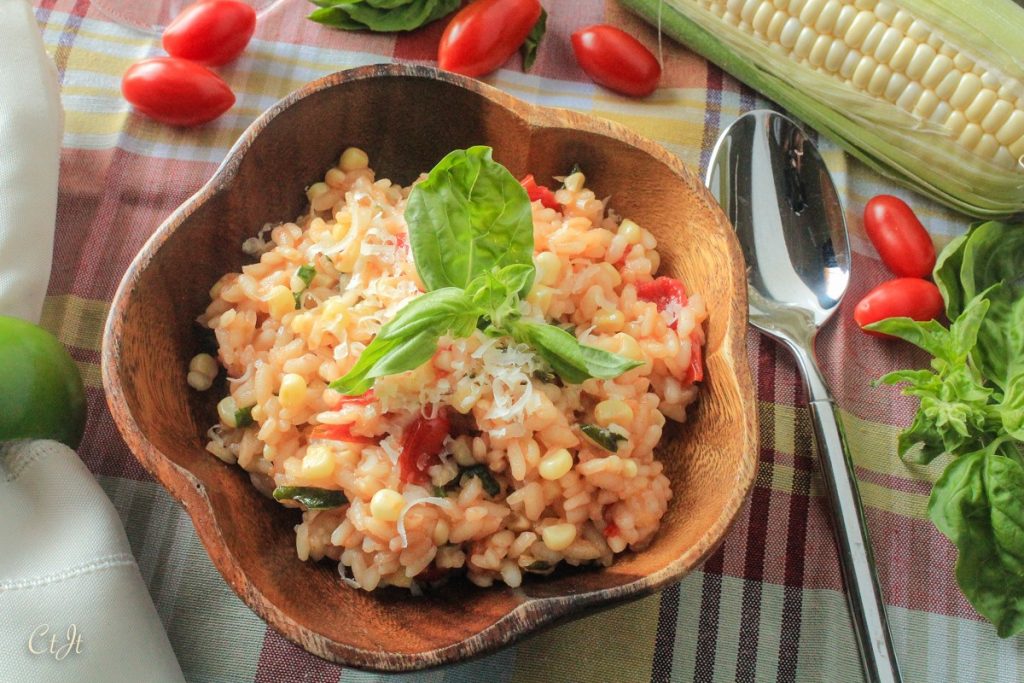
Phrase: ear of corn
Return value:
(929, 93)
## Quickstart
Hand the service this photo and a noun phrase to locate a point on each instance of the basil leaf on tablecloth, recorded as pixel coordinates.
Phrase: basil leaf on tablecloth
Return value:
(532, 43)
(312, 497)
(469, 216)
(380, 15)
(976, 503)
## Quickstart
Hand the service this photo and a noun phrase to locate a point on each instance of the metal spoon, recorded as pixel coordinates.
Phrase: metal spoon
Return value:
(776, 190)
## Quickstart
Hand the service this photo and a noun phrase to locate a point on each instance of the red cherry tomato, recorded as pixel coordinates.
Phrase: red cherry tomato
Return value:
(909, 297)
(484, 34)
(616, 60)
(421, 446)
(176, 91)
(211, 32)
(535, 192)
(695, 373)
(662, 291)
(901, 240)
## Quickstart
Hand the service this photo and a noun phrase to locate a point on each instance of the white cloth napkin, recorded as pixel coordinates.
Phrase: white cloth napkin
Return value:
(73, 606)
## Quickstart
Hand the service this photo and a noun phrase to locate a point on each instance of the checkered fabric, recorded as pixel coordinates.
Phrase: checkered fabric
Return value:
(768, 605)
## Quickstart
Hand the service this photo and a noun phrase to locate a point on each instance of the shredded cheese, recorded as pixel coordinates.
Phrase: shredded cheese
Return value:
(430, 500)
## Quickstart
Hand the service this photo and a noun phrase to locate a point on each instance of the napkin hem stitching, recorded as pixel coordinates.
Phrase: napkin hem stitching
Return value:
(19, 463)
(115, 560)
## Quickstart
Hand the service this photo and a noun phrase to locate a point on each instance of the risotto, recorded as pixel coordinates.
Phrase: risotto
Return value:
(490, 457)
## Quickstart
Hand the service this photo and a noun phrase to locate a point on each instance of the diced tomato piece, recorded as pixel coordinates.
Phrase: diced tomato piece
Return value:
(401, 240)
(662, 291)
(421, 447)
(535, 192)
(341, 433)
(343, 400)
(695, 373)
(611, 529)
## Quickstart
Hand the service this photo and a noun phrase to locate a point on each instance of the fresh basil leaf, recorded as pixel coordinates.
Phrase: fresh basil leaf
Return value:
(243, 417)
(923, 433)
(409, 339)
(572, 361)
(1011, 408)
(532, 43)
(312, 497)
(443, 310)
(306, 273)
(976, 504)
(496, 293)
(993, 254)
(605, 438)
(930, 336)
(469, 216)
(947, 275)
(383, 16)
(490, 484)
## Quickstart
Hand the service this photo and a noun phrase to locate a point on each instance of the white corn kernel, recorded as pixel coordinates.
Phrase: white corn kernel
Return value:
(1012, 129)
(199, 381)
(558, 537)
(790, 31)
(607, 321)
(873, 38)
(631, 231)
(971, 135)
(938, 69)
(956, 122)
(903, 54)
(987, 146)
(629, 469)
(926, 104)
(318, 462)
(549, 268)
(574, 182)
(226, 409)
(203, 363)
(911, 94)
(762, 17)
(463, 453)
(335, 178)
(826, 18)
(902, 20)
(613, 411)
(440, 534)
(997, 116)
(895, 87)
(923, 57)
(805, 40)
(386, 505)
(555, 464)
(966, 91)
(919, 31)
(863, 72)
(948, 85)
(353, 159)
(837, 52)
(293, 391)
(847, 13)
(879, 80)
(981, 105)
(774, 31)
(887, 45)
(317, 190)
(820, 49)
(853, 59)
(280, 302)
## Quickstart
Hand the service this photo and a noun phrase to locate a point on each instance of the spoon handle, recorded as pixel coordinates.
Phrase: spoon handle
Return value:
(863, 593)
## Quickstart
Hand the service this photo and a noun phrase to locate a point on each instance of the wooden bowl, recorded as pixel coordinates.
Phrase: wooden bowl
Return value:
(407, 118)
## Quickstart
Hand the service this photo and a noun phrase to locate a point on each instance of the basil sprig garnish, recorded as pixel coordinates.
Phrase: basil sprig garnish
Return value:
(471, 233)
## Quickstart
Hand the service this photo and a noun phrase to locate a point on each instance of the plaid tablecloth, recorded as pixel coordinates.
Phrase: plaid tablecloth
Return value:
(767, 606)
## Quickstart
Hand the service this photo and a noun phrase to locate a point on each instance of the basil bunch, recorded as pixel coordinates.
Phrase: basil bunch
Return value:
(471, 233)
(380, 15)
(972, 407)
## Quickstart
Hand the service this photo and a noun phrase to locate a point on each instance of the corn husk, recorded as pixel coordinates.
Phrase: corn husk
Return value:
(902, 147)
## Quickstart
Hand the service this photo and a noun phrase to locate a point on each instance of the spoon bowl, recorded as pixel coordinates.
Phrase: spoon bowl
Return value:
(777, 191)
(792, 233)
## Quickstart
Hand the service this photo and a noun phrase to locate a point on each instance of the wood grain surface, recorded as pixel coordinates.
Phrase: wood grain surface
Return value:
(407, 118)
